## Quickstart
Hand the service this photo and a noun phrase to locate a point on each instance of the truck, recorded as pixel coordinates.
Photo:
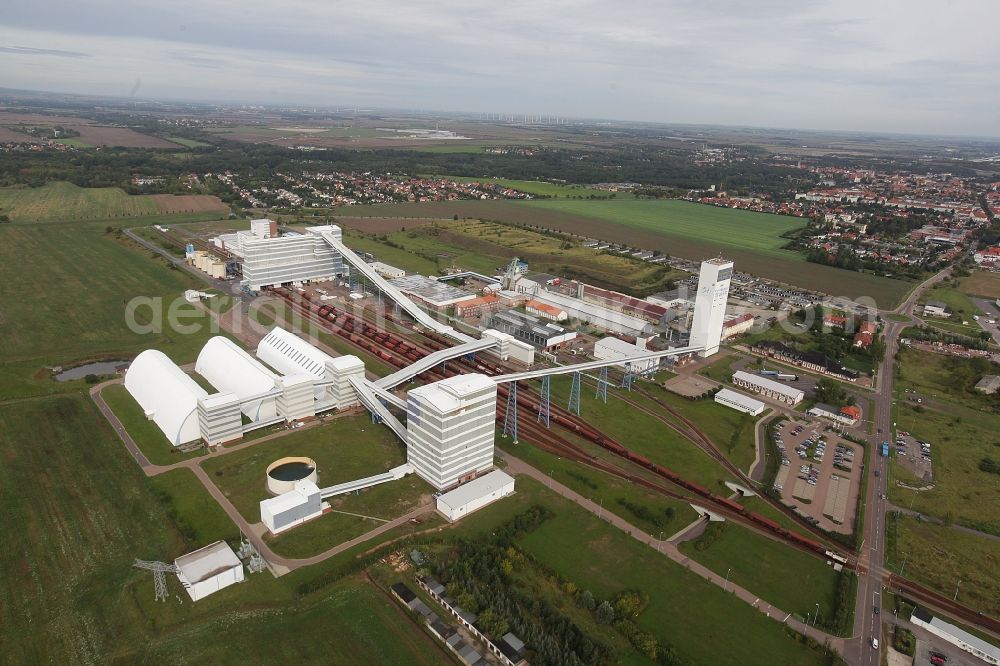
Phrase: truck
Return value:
(788, 377)
(768, 373)
(885, 449)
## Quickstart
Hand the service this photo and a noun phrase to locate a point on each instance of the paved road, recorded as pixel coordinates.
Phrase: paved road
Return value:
(867, 625)
(991, 312)
(670, 550)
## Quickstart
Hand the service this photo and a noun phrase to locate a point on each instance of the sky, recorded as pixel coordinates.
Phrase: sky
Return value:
(863, 65)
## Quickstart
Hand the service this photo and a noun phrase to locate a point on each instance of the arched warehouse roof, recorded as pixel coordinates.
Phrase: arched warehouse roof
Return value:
(291, 355)
(230, 369)
(166, 394)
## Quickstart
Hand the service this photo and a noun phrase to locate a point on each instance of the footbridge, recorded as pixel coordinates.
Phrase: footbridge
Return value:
(392, 292)
(431, 360)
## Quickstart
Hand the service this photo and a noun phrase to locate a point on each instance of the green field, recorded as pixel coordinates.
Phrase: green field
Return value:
(187, 143)
(725, 226)
(487, 247)
(542, 188)
(645, 435)
(344, 449)
(684, 610)
(940, 557)
(60, 201)
(959, 440)
(789, 579)
(961, 305)
(69, 303)
(678, 228)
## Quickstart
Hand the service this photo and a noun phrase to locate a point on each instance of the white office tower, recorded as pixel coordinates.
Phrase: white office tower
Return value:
(450, 427)
(289, 259)
(710, 304)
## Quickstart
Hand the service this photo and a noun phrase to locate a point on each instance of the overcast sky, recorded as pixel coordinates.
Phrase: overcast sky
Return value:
(884, 65)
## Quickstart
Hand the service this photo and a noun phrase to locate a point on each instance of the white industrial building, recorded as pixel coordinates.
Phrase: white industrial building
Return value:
(450, 426)
(276, 260)
(387, 271)
(230, 369)
(167, 395)
(430, 292)
(596, 315)
(509, 348)
(710, 304)
(208, 570)
(957, 636)
(739, 402)
(768, 387)
(475, 494)
(291, 355)
(287, 510)
(611, 348)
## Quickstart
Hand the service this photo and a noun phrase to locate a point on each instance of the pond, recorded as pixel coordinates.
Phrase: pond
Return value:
(96, 368)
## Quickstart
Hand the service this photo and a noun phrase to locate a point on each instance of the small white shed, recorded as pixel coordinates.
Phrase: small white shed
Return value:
(209, 569)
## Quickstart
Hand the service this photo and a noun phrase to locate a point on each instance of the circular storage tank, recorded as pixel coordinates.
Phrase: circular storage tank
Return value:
(282, 474)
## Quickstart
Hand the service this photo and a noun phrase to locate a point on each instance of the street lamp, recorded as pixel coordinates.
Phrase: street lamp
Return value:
(659, 546)
(816, 616)
(955, 598)
(903, 568)
(729, 571)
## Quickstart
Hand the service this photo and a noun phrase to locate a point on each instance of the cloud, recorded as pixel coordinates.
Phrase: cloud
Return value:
(27, 50)
(906, 65)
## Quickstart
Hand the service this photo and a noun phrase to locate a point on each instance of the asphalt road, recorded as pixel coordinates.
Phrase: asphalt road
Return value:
(868, 625)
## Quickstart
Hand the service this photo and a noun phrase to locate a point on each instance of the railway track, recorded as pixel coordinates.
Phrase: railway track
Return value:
(554, 443)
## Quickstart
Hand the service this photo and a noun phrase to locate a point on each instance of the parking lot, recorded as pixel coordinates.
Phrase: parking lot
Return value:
(820, 474)
(915, 455)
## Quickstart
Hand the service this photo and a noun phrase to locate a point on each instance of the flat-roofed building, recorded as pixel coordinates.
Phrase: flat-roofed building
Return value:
(288, 259)
(768, 387)
(475, 494)
(430, 292)
(209, 569)
(739, 402)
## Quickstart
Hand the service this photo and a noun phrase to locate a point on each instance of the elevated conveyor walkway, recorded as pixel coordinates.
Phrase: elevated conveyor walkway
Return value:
(392, 292)
(593, 365)
(367, 482)
(374, 405)
(431, 360)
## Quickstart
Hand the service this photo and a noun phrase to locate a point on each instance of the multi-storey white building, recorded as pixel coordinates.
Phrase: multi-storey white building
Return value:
(287, 259)
(710, 304)
(450, 427)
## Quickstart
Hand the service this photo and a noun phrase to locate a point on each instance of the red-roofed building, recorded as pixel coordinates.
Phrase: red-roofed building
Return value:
(865, 335)
(988, 257)
(545, 310)
(851, 412)
(737, 325)
(477, 307)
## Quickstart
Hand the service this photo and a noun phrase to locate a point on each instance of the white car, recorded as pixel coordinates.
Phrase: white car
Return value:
(875, 643)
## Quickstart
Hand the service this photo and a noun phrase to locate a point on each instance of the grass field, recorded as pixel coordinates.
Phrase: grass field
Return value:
(940, 557)
(645, 435)
(65, 202)
(188, 143)
(961, 305)
(69, 302)
(542, 188)
(982, 283)
(487, 247)
(344, 449)
(959, 439)
(673, 227)
(789, 579)
(684, 610)
(148, 437)
(606, 490)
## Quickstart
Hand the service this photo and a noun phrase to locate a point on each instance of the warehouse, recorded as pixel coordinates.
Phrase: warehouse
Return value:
(428, 291)
(545, 311)
(387, 271)
(591, 313)
(230, 369)
(532, 330)
(739, 402)
(474, 495)
(295, 507)
(768, 387)
(291, 355)
(287, 259)
(208, 570)
(611, 348)
(956, 636)
(167, 395)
